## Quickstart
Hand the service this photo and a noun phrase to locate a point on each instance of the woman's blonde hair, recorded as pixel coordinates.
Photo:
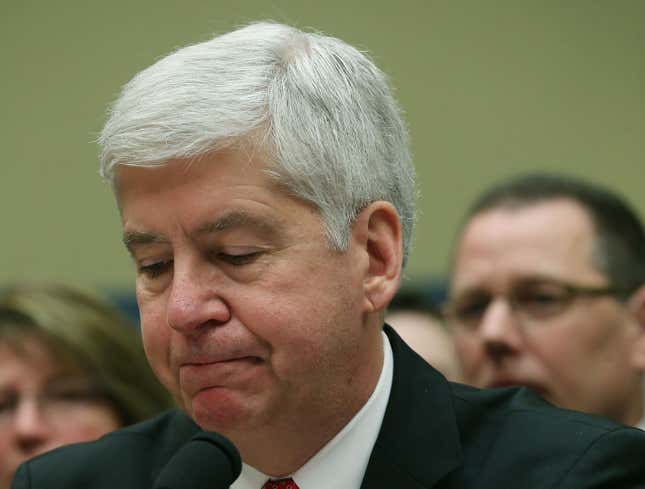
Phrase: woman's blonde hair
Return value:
(88, 335)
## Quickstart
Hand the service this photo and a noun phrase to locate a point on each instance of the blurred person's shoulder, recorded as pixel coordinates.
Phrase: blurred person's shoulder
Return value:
(511, 434)
(129, 457)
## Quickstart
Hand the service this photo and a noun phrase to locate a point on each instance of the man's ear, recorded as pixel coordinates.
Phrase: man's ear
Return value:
(636, 306)
(377, 229)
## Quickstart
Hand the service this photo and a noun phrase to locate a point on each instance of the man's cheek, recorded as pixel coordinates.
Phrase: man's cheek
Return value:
(157, 349)
(168, 378)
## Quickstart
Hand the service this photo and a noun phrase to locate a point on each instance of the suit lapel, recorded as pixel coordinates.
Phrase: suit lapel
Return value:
(419, 441)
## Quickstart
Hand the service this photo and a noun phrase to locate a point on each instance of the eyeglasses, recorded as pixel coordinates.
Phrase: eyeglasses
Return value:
(59, 400)
(532, 301)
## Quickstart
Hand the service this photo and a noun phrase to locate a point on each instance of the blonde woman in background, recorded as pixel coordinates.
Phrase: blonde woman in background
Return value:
(71, 369)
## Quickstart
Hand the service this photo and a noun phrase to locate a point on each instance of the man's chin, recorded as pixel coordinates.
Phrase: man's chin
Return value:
(216, 409)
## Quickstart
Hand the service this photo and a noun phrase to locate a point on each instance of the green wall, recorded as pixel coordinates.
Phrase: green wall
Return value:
(489, 89)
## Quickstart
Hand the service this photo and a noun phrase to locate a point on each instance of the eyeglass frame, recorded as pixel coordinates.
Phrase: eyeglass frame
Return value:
(571, 292)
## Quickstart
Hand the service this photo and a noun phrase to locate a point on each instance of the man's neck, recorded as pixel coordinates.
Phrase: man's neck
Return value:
(282, 447)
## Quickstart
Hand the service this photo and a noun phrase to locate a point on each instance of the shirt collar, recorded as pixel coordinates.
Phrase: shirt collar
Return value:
(343, 460)
(641, 424)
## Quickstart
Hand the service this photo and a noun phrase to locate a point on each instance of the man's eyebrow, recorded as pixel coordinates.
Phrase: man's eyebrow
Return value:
(470, 291)
(238, 219)
(134, 238)
(521, 281)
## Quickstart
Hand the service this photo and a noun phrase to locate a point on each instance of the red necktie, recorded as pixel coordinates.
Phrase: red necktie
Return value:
(280, 484)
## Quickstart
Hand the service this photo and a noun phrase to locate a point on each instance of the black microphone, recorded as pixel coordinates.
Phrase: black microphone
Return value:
(207, 461)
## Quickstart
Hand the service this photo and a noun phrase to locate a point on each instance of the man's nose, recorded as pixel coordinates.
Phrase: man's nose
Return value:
(499, 330)
(31, 426)
(195, 299)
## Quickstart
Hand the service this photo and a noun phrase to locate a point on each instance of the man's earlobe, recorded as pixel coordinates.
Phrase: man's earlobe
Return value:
(383, 244)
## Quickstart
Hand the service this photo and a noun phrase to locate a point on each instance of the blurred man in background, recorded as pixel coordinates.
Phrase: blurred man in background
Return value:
(547, 292)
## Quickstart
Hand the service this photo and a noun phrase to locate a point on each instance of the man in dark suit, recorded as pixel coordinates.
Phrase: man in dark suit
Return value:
(267, 198)
(547, 290)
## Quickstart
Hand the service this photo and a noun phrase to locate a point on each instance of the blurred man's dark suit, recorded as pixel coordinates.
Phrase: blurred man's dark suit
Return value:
(434, 435)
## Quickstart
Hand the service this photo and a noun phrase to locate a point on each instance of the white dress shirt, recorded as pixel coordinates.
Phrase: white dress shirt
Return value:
(341, 462)
(641, 424)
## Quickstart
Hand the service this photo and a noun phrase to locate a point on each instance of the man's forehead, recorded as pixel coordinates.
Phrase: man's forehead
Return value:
(538, 217)
(151, 174)
(189, 179)
(241, 218)
(551, 229)
(549, 239)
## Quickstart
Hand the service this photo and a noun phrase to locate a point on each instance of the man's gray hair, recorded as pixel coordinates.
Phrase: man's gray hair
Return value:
(322, 110)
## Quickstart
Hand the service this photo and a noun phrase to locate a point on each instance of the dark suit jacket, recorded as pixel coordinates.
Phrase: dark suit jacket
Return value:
(434, 435)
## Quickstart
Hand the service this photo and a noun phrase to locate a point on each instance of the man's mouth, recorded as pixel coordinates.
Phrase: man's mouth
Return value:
(198, 374)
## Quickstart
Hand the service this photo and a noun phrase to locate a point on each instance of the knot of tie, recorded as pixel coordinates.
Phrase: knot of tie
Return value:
(280, 484)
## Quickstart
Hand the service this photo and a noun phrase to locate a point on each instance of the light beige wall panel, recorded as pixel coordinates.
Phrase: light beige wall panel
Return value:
(489, 89)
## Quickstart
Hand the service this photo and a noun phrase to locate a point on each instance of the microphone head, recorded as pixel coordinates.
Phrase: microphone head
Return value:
(207, 461)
